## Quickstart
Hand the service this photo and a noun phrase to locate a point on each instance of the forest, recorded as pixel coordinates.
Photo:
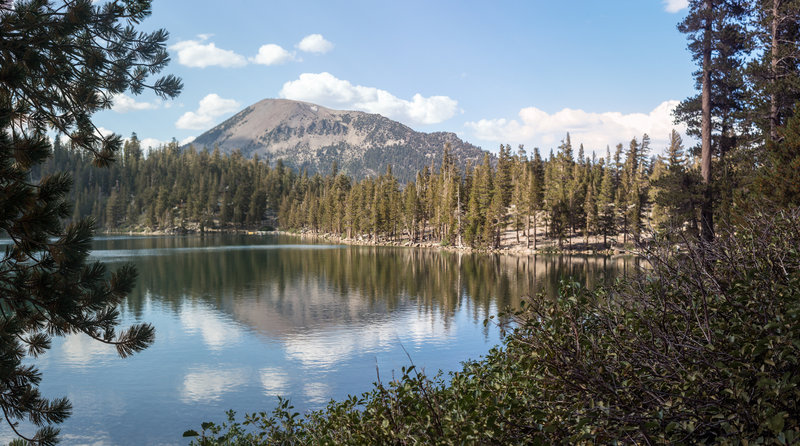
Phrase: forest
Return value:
(743, 119)
(565, 195)
(555, 200)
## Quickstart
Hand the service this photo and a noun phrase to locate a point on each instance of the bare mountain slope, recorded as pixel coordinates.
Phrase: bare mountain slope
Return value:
(312, 137)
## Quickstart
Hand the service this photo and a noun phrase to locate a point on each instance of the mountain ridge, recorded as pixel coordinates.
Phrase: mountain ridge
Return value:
(311, 137)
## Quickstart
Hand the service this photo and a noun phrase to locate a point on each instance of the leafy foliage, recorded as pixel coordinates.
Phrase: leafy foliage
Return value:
(701, 347)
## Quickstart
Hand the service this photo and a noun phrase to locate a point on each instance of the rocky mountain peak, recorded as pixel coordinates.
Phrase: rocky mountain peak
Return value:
(309, 136)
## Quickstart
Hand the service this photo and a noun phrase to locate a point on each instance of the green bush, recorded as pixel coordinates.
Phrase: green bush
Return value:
(701, 347)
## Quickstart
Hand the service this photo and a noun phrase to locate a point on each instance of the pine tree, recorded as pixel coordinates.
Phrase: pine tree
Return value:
(504, 174)
(779, 179)
(519, 194)
(605, 201)
(674, 189)
(535, 193)
(775, 74)
(61, 62)
(410, 210)
(557, 193)
(495, 218)
(718, 42)
(592, 217)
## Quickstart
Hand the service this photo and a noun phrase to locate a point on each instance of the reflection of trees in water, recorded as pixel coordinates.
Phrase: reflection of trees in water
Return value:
(346, 283)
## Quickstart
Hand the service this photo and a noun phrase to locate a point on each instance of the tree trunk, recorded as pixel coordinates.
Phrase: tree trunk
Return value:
(773, 98)
(528, 231)
(458, 214)
(707, 207)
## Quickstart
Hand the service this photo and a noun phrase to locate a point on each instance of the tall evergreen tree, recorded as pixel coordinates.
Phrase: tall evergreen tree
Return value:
(535, 194)
(718, 44)
(605, 201)
(779, 179)
(61, 61)
(775, 73)
(674, 189)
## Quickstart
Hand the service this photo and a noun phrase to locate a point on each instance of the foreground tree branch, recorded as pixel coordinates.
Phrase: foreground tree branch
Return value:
(60, 62)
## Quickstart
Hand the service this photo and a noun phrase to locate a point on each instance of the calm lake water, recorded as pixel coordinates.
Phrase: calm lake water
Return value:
(242, 319)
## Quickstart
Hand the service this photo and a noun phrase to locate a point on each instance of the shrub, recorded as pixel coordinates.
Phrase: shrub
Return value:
(701, 347)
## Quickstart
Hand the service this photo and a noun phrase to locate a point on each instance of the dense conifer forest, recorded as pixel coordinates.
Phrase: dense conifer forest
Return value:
(561, 197)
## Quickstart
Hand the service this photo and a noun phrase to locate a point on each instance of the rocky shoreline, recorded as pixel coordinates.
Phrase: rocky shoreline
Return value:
(513, 249)
(508, 246)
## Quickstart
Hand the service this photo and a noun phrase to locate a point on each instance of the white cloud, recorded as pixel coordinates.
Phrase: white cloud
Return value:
(194, 53)
(675, 5)
(151, 143)
(326, 89)
(124, 103)
(104, 132)
(271, 54)
(187, 140)
(536, 128)
(211, 107)
(315, 43)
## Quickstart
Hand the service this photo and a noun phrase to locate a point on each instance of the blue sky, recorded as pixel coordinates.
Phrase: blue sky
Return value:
(516, 72)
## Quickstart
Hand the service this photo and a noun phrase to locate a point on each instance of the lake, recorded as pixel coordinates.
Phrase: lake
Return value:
(242, 319)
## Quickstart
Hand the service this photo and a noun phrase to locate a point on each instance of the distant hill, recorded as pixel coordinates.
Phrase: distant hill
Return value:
(312, 137)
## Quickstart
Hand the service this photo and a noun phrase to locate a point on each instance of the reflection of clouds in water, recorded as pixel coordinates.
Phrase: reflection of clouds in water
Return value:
(425, 330)
(97, 439)
(317, 393)
(274, 380)
(328, 348)
(80, 350)
(208, 384)
(217, 333)
(111, 254)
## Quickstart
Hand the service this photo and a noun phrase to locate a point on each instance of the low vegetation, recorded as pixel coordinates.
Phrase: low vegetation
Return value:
(701, 347)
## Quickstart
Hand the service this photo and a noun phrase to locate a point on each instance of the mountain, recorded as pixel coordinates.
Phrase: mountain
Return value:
(312, 137)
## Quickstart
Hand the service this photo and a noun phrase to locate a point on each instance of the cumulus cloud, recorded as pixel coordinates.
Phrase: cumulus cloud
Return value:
(211, 107)
(124, 103)
(536, 128)
(675, 5)
(315, 43)
(104, 132)
(271, 54)
(196, 54)
(187, 140)
(148, 144)
(326, 89)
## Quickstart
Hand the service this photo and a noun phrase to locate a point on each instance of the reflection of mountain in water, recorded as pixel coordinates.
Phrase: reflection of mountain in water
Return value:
(284, 290)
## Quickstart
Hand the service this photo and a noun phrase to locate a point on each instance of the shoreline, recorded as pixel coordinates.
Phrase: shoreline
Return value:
(508, 248)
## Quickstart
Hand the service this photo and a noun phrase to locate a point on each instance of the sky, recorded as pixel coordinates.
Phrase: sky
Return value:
(501, 72)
